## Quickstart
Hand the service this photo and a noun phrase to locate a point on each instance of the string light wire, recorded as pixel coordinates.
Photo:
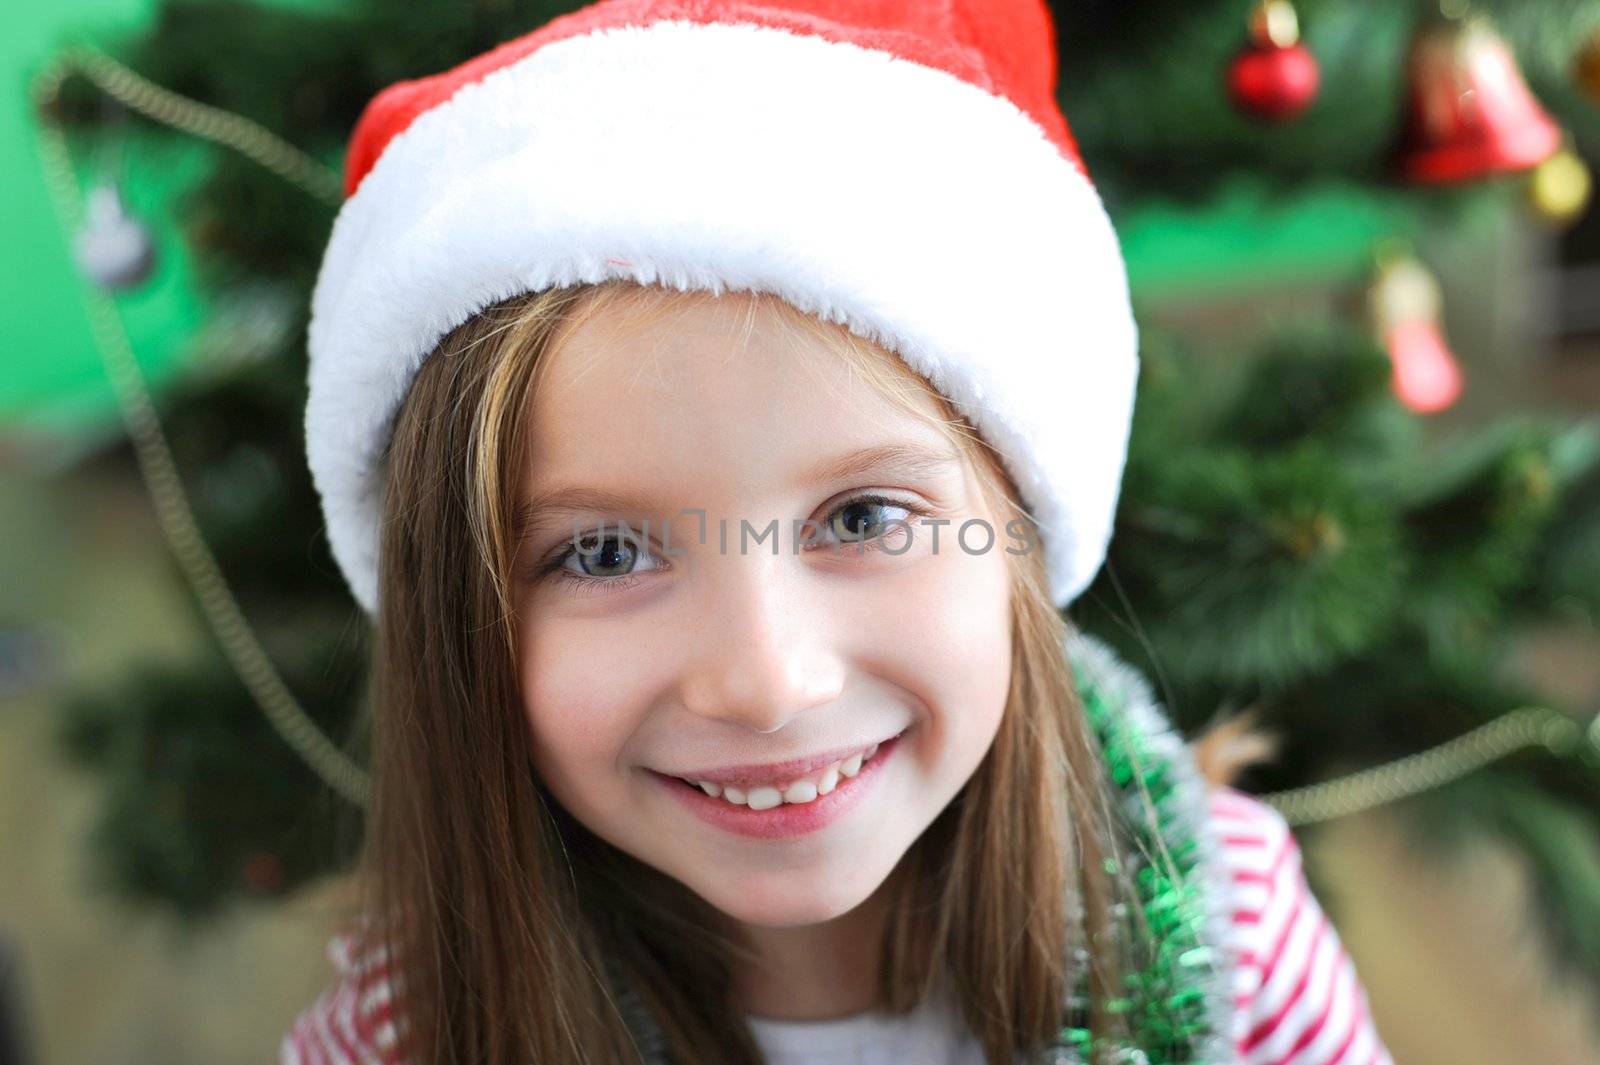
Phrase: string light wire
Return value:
(154, 455)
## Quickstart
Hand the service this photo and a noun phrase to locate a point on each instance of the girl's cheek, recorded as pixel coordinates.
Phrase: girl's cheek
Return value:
(579, 707)
(957, 635)
(952, 604)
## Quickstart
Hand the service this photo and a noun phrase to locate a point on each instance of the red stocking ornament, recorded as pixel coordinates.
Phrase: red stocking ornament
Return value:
(1405, 304)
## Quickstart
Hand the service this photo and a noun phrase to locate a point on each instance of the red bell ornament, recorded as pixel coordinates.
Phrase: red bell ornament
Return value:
(1469, 113)
(1274, 77)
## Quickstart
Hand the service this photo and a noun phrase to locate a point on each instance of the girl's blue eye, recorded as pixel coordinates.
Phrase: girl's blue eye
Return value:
(603, 556)
(852, 524)
(606, 556)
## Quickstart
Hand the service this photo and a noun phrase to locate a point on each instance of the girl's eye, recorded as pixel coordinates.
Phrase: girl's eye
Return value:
(863, 522)
(608, 558)
(598, 556)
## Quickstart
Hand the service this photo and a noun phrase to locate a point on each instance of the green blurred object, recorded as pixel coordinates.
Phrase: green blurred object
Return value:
(1243, 235)
(55, 384)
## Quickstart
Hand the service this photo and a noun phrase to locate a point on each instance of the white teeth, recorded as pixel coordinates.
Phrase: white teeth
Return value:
(766, 797)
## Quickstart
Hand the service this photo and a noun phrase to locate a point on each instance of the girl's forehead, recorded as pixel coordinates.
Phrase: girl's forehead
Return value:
(692, 355)
(716, 400)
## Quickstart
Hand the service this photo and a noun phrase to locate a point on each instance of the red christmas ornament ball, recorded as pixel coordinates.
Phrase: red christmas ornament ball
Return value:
(1273, 82)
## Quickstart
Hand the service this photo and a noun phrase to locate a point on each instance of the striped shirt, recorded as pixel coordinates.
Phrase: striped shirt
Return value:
(1297, 998)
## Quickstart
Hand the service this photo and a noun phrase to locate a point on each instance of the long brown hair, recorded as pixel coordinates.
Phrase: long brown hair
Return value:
(521, 928)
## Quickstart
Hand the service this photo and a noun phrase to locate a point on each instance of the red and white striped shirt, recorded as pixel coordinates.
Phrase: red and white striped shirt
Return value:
(1297, 997)
(1298, 1000)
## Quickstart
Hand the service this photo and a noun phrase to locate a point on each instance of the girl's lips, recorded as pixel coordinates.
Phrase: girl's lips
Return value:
(752, 775)
(786, 820)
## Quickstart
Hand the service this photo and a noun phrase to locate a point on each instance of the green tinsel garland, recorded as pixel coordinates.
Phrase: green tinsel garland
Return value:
(1177, 1002)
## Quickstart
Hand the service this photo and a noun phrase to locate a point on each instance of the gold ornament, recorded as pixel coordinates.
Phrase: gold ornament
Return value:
(1559, 188)
(1402, 290)
(1274, 22)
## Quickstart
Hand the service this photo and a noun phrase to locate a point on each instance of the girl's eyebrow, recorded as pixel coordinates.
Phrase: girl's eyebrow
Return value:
(905, 459)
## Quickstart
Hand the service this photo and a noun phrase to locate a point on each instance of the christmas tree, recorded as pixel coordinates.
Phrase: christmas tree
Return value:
(1298, 533)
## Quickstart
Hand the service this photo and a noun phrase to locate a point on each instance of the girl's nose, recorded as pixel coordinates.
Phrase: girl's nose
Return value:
(761, 656)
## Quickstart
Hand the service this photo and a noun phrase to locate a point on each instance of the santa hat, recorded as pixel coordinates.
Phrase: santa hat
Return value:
(900, 167)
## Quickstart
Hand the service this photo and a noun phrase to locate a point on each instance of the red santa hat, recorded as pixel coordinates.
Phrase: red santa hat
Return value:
(897, 166)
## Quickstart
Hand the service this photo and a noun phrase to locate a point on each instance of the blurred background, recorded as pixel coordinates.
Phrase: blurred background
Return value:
(1362, 500)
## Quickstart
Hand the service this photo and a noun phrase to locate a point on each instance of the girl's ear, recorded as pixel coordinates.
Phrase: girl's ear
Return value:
(1229, 745)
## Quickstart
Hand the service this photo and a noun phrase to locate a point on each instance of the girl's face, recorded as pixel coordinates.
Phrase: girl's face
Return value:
(713, 649)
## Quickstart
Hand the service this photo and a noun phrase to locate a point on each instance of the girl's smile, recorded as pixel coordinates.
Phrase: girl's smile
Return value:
(784, 804)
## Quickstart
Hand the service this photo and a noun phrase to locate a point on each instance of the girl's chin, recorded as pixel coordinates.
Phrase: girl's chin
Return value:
(789, 898)
(794, 906)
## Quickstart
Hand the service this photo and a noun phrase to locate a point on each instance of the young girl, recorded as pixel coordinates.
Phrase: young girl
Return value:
(714, 407)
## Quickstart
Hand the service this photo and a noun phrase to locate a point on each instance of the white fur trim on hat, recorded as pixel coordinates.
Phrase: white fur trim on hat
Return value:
(918, 210)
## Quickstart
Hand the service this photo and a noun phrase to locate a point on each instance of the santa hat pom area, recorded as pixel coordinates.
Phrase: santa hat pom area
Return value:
(899, 168)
